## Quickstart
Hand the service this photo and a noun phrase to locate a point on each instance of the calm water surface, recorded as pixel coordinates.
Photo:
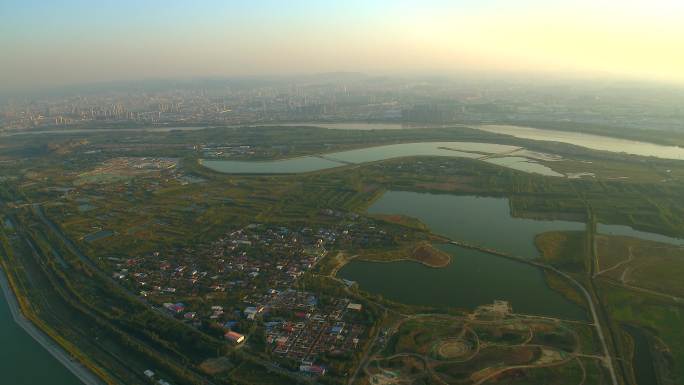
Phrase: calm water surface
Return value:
(372, 154)
(287, 166)
(594, 142)
(473, 278)
(478, 220)
(630, 232)
(332, 126)
(22, 360)
(346, 126)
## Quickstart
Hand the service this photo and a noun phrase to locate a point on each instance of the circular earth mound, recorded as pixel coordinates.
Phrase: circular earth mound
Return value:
(452, 349)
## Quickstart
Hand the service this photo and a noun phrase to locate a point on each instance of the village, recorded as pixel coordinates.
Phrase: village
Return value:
(245, 285)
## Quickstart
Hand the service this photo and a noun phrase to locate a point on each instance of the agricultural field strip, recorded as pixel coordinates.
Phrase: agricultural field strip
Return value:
(629, 259)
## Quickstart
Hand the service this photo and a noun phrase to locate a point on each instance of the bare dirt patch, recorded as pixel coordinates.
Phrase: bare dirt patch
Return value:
(431, 256)
(423, 253)
(453, 349)
(216, 365)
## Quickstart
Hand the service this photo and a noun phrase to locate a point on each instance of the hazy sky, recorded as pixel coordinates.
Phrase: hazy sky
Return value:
(59, 42)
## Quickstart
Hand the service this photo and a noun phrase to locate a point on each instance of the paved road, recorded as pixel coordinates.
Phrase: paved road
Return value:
(607, 359)
(81, 372)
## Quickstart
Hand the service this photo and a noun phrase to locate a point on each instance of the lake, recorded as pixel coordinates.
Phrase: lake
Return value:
(310, 163)
(479, 220)
(22, 360)
(594, 142)
(473, 278)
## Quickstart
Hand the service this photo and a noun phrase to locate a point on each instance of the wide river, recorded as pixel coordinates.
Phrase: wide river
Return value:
(22, 360)
(332, 126)
(594, 142)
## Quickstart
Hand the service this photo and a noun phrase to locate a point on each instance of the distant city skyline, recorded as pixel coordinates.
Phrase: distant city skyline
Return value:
(73, 42)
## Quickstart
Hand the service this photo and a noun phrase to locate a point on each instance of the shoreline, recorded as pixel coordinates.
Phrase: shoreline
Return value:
(82, 373)
(404, 258)
(399, 260)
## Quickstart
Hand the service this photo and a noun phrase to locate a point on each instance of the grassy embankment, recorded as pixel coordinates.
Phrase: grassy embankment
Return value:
(424, 253)
(32, 300)
(668, 138)
(565, 251)
(660, 318)
(650, 265)
(645, 264)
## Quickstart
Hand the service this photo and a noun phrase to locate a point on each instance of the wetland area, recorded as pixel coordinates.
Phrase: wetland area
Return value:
(473, 278)
(484, 151)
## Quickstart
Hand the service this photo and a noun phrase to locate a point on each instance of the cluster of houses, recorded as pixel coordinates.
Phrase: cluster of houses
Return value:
(296, 324)
(247, 277)
(152, 376)
(250, 259)
(216, 150)
(313, 329)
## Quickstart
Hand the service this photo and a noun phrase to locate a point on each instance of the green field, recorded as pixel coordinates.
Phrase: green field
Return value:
(72, 181)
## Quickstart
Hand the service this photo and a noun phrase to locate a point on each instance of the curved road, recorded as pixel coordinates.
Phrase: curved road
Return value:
(607, 359)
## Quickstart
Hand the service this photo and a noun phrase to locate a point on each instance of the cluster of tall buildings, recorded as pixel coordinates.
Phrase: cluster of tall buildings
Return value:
(346, 97)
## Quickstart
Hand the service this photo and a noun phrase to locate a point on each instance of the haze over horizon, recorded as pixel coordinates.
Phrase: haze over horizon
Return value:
(75, 42)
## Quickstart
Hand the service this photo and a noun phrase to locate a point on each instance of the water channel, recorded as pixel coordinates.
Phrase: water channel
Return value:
(310, 163)
(23, 361)
(594, 142)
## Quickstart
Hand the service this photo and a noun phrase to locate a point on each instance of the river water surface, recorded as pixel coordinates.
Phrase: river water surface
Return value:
(478, 220)
(594, 142)
(310, 163)
(22, 360)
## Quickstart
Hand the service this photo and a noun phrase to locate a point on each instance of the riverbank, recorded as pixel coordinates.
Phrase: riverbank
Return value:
(76, 368)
